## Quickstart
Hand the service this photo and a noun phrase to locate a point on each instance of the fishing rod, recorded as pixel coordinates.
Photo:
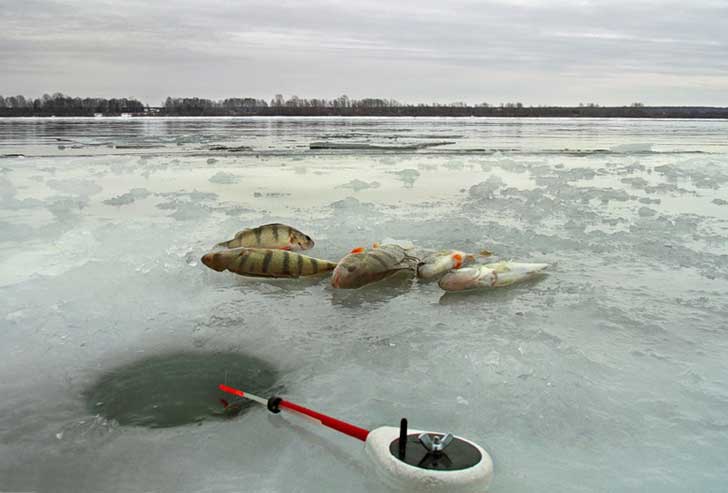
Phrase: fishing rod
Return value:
(274, 405)
(424, 460)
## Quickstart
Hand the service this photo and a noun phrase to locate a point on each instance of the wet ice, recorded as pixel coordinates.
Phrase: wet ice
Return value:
(610, 371)
(224, 178)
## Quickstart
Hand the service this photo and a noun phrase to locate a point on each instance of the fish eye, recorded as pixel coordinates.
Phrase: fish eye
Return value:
(351, 268)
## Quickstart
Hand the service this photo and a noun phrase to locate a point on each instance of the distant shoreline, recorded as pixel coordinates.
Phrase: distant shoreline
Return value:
(648, 113)
(60, 105)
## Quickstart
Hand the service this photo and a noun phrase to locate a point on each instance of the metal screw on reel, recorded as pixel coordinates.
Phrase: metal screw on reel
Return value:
(435, 443)
(434, 451)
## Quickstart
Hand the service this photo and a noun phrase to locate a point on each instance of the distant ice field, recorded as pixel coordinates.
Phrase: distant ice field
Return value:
(608, 374)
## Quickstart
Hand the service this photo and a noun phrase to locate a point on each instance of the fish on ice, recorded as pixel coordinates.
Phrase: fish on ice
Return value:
(366, 265)
(274, 235)
(495, 275)
(436, 264)
(266, 262)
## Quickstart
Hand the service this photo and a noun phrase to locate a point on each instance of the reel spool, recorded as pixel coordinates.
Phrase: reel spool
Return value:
(428, 461)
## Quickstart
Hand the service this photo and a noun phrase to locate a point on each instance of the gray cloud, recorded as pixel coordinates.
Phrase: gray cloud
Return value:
(538, 52)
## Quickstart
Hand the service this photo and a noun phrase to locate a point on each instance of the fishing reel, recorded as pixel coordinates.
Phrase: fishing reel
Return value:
(428, 461)
(417, 461)
(435, 451)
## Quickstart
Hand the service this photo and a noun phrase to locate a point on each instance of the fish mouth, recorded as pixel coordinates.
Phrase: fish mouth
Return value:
(207, 259)
(459, 280)
(210, 260)
(340, 279)
(335, 278)
(300, 245)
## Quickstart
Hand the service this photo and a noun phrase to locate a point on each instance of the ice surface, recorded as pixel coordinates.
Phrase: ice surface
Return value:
(359, 185)
(408, 176)
(608, 374)
(7, 189)
(83, 188)
(224, 178)
(631, 148)
(129, 197)
(486, 189)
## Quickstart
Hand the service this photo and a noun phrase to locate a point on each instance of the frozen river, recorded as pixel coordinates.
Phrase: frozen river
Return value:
(609, 374)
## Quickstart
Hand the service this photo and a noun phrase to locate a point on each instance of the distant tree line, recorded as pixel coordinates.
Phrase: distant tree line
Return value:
(60, 105)
(207, 107)
(277, 106)
(344, 106)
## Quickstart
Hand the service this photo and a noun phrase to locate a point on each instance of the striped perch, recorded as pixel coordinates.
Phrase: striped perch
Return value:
(266, 262)
(366, 265)
(275, 235)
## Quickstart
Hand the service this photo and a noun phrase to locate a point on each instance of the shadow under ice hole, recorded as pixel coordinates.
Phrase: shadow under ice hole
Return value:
(180, 388)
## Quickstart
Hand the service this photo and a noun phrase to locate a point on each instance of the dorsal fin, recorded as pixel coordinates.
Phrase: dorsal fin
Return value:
(272, 224)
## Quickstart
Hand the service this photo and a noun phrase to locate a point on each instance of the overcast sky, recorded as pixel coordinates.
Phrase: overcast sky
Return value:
(537, 52)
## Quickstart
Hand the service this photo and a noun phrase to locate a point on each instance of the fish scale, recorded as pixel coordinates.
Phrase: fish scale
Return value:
(366, 265)
(265, 262)
(495, 275)
(274, 235)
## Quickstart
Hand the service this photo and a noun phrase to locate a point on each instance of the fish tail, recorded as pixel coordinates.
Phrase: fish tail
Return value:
(411, 261)
(311, 266)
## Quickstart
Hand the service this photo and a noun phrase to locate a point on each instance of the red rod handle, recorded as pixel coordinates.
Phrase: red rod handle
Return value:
(336, 424)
